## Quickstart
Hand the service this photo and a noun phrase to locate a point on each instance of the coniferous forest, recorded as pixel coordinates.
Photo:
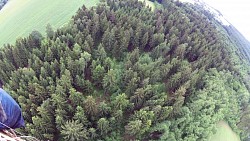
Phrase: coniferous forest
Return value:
(121, 71)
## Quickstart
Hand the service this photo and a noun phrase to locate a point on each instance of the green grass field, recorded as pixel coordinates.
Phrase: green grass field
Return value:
(20, 17)
(224, 133)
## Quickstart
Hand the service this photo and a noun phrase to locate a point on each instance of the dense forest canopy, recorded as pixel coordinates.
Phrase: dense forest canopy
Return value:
(120, 71)
(2, 3)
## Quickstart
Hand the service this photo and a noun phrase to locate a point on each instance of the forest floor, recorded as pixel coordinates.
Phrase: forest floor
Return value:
(19, 18)
(224, 133)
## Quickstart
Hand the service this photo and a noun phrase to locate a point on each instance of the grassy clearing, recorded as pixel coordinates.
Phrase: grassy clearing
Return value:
(149, 3)
(20, 17)
(224, 133)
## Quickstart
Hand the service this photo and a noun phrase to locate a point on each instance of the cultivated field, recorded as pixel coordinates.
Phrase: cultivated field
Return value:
(224, 133)
(20, 17)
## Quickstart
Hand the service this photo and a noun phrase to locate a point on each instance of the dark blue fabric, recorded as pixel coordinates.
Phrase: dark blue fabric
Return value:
(12, 111)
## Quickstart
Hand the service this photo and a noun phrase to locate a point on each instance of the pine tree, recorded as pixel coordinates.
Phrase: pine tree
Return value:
(74, 131)
(49, 31)
(103, 126)
(98, 74)
(104, 109)
(121, 102)
(134, 127)
(80, 116)
(90, 106)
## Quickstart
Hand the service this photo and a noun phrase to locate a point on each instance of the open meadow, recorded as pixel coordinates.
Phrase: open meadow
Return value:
(149, 3)
(20, 17)
(224, 133)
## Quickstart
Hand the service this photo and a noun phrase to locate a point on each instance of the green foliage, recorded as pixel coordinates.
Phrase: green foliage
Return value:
(123, 72)
(103, 126)
(74, 131)
(134, 127)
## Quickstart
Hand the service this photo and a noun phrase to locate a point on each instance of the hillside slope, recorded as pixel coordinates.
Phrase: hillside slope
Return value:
(235, 36)
(121, 71)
